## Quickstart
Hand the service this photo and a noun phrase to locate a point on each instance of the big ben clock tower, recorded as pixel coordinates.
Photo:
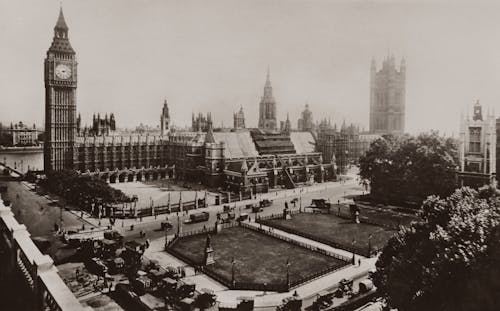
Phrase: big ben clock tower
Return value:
(60, 100)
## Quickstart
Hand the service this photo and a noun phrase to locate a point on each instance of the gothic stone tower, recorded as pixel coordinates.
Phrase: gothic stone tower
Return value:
(164, 119)
(214, 159)
(387, 97)
(60, 100)
(239, 119)
(477, 149)
(267, 108)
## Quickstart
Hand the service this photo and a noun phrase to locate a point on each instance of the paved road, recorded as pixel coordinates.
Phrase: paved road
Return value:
(34, 211)
(151, 226)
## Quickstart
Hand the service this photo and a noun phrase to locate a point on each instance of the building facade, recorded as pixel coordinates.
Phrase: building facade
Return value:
(60, 100)
(200, 122)
(267, 108)
(305, 122)
(239, 119)
(238, 161)
(387, 97)
(477, 149)
(21, 135)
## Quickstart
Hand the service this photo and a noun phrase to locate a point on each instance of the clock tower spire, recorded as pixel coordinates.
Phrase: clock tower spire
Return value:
(60, 100)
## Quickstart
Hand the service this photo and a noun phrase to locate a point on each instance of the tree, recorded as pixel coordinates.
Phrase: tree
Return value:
(78, 188)
(448, 261)
(407, 168)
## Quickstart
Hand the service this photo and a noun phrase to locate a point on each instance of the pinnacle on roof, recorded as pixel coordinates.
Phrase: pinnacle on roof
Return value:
(209, 138)
(61, 23)
(268, 77)
(244, 166)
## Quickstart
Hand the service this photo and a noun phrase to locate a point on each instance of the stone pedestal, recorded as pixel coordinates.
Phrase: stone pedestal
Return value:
(287, 214)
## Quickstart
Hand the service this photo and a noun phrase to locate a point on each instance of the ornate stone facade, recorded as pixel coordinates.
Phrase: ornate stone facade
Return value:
(477, 149)
(387, 97)
(267, 108)
(239, 119)
(60, 100)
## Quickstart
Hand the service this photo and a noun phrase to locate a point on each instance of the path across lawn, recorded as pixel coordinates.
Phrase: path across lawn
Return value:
(338, 230)
(259, 258)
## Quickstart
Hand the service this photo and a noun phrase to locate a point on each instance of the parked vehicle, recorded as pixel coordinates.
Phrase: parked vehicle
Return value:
(113, 235)
(320, 203)
(365, 286)
(197, 217)
(185, 289)
(265, 203)
(97, 266)
(166, 225)
(243, 217)
(256, 209)
(226, 217)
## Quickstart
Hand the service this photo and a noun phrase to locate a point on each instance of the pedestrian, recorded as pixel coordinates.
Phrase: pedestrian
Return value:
(359, 262)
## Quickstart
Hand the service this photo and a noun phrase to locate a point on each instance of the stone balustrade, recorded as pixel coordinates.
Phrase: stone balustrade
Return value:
(20, 259)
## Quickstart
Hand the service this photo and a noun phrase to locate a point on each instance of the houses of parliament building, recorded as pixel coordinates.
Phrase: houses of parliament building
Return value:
(238, 160)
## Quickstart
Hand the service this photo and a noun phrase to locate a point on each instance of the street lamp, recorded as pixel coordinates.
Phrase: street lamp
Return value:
(353, 255)
(370, 245)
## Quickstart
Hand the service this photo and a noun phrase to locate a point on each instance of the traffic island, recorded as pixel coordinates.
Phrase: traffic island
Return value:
(247, 258)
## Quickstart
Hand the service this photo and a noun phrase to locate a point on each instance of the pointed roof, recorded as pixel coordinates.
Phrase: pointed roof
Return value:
(60, 42)
(209, 138)
(268, 78)
(61, 23)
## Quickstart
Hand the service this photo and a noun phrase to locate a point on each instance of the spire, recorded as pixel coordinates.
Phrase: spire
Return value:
(60, 42)
(61, 23)
(268, 78)
(209, 138)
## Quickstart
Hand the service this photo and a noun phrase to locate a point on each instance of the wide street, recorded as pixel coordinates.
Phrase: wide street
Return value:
(334, 191)
(40, 216)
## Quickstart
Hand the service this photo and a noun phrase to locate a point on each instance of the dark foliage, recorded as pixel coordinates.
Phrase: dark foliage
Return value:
(410, 168)
(448, 261)
(79, 189)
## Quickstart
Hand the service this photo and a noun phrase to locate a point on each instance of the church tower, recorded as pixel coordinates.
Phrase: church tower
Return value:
(267, 107)
(60, 100)
(164, 119)
(387, 97)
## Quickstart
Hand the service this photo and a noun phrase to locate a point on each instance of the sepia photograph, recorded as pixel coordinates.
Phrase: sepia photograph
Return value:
(239, 155)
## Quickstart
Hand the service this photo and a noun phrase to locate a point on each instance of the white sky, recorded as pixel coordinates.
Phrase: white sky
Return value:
(212, 56)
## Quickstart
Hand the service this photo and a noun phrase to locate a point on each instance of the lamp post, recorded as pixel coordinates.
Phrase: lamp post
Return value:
(233, 263)
(353, 255)
(370, 245)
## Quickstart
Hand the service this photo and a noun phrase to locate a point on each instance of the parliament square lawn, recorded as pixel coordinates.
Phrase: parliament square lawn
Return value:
(336, 229)
(259, 258)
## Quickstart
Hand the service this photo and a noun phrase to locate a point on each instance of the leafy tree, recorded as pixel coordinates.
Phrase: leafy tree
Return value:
(78, 188)
(448, 261)
(410, 168)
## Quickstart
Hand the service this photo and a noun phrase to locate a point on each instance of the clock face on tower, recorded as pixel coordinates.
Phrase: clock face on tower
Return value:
(63, 71)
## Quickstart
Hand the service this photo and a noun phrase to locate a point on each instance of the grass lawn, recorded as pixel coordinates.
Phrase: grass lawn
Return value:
(336, 229)
(259, 257)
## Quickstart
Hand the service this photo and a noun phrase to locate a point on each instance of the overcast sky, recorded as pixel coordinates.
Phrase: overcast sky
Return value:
(212, 56)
